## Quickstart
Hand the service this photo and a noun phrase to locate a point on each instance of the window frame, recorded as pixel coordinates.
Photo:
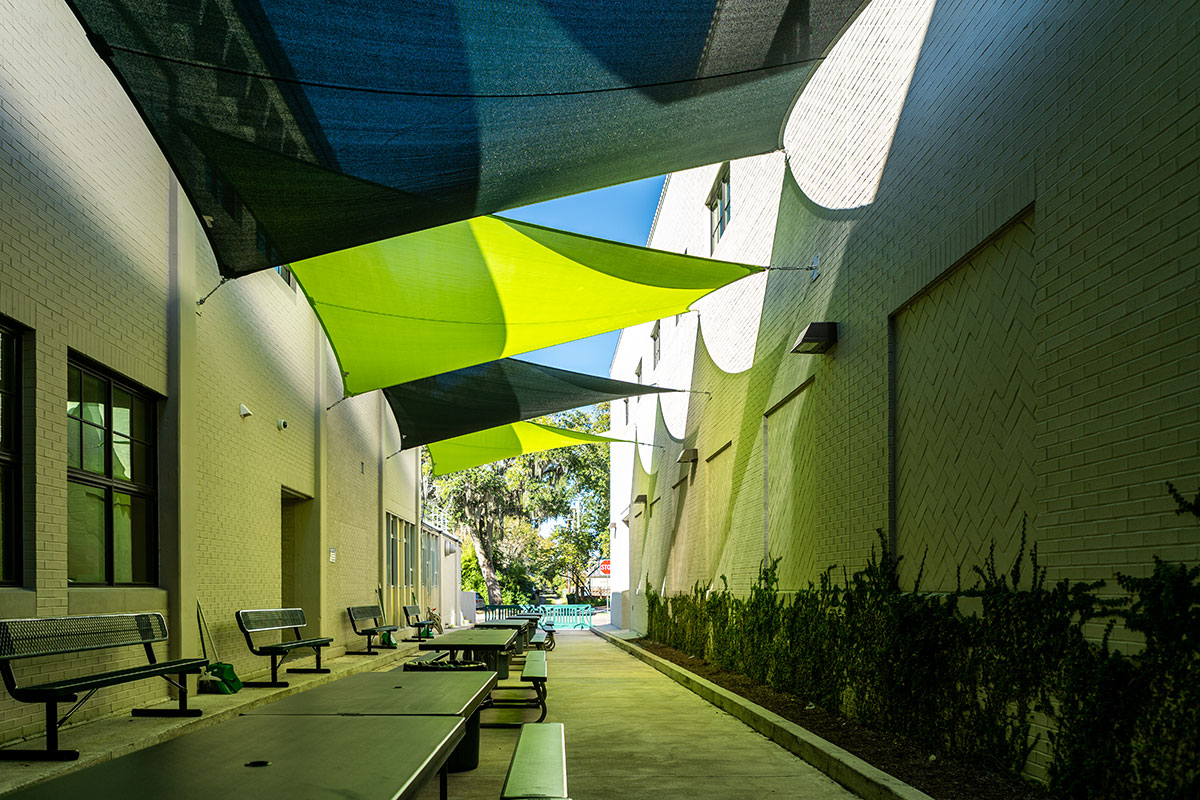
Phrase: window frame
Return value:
(10, 459)
(719, 205)
(111, 485)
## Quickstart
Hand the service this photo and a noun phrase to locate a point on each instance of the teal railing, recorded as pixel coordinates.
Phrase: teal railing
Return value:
(577, 617)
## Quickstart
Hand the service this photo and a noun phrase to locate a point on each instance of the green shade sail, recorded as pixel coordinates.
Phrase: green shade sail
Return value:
(506, 441)
(475, 291)
(303, 127)
(496, 393)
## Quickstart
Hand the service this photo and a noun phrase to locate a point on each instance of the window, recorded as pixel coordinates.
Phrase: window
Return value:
(654, 337)
(10, 485)
(111, 498)
(410, 555)
(718, 206)
(430, 561)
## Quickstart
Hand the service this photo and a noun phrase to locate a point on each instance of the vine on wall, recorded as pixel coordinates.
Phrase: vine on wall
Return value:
(970, 685)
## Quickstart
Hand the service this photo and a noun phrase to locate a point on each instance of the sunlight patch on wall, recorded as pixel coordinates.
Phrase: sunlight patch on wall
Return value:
(840, 131)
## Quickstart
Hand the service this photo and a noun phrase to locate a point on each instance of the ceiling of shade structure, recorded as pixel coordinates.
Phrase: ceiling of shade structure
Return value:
(506, 441)
(471, 292)
(492, 394)
(303, 127)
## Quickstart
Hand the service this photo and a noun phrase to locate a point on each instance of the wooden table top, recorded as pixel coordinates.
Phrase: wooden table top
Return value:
(472, 639)
(261, 756)
(457, 693)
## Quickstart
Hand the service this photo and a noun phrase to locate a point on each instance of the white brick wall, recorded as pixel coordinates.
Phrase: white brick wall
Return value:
(84, 256)
(1084, 112)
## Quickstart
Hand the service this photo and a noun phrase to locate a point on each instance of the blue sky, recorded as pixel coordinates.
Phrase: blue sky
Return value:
(621, 213)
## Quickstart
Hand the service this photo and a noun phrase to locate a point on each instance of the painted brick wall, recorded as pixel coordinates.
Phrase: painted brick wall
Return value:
(84, 259)
(1078, 119)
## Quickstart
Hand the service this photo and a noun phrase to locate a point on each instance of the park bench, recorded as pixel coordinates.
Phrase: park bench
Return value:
(534, 672)
(539, 764)
(374, 614)
(257, 620)
(412, 618)
(47, 636)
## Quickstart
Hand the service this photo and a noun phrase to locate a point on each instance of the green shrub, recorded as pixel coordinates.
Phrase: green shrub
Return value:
(911, 663)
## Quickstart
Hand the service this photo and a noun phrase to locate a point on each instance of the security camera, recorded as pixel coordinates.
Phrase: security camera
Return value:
(281, 424)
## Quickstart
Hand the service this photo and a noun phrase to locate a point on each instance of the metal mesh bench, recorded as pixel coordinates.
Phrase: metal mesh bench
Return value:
(258, 620)
(47, 636)
(374, 614)
(412, 618)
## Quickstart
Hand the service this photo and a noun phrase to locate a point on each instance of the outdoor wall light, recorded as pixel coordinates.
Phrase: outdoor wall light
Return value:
(817, 338)
(641, 498)
(688, 456)
(244, 412)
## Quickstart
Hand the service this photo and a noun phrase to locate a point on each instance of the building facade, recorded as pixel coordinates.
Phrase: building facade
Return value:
(155, 452)
(1001, 205)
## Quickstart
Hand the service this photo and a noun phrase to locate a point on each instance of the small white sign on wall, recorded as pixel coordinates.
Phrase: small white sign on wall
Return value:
(332, 554)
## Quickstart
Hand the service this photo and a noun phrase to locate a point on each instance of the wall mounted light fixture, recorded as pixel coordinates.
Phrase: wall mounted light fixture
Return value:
(641, 498)
(244, 412)
(687, 456)
(816, 338)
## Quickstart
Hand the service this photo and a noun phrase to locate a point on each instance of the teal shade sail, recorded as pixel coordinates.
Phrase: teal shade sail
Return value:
(303, 127)
(493, 394)
(506, 441)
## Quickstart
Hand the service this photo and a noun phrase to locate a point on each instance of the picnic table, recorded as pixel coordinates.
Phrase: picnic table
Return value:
(489, 645)
(398, 693)
(264, 756)
(524, 627)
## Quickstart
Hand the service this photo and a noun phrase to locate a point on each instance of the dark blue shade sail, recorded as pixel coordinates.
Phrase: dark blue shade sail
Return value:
(304, 127)
(493, 394)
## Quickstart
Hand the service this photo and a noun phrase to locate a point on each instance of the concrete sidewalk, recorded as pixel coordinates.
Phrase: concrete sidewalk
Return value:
(633, 732)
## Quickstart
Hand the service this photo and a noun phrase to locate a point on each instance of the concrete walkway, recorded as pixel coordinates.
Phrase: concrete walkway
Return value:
(634, 733)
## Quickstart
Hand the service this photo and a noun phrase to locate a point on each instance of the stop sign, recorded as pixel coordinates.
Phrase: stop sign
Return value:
(604, 567)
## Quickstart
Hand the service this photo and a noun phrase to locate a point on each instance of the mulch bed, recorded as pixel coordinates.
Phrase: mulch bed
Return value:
(941, 778)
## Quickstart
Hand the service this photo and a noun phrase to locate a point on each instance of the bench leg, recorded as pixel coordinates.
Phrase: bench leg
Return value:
(181, 711)
(367, 652)
(317, 670)
(274, 683)
(51, 753)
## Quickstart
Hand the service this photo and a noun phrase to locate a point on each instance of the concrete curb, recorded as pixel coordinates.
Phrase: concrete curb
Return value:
(844, 767)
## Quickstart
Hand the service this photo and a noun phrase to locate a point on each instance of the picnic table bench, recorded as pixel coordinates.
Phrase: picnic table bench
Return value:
(30, 638)
(374, 614)
(539, 764)
(257, 620)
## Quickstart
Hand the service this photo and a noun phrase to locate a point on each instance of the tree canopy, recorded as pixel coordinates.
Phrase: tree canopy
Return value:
(502, 505)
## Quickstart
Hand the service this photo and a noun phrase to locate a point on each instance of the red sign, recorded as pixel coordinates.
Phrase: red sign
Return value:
(605, 567)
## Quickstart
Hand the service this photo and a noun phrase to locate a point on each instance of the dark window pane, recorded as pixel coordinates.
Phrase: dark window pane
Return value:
(85, 534)
(7, 424)
(140, 413)
(93, 449)
(74, 434)
(132, 548)
(140, 454)
(121, 463)
(8, 362)
(74, 393)
(8, 567)
(95, 397)
(120, 413)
